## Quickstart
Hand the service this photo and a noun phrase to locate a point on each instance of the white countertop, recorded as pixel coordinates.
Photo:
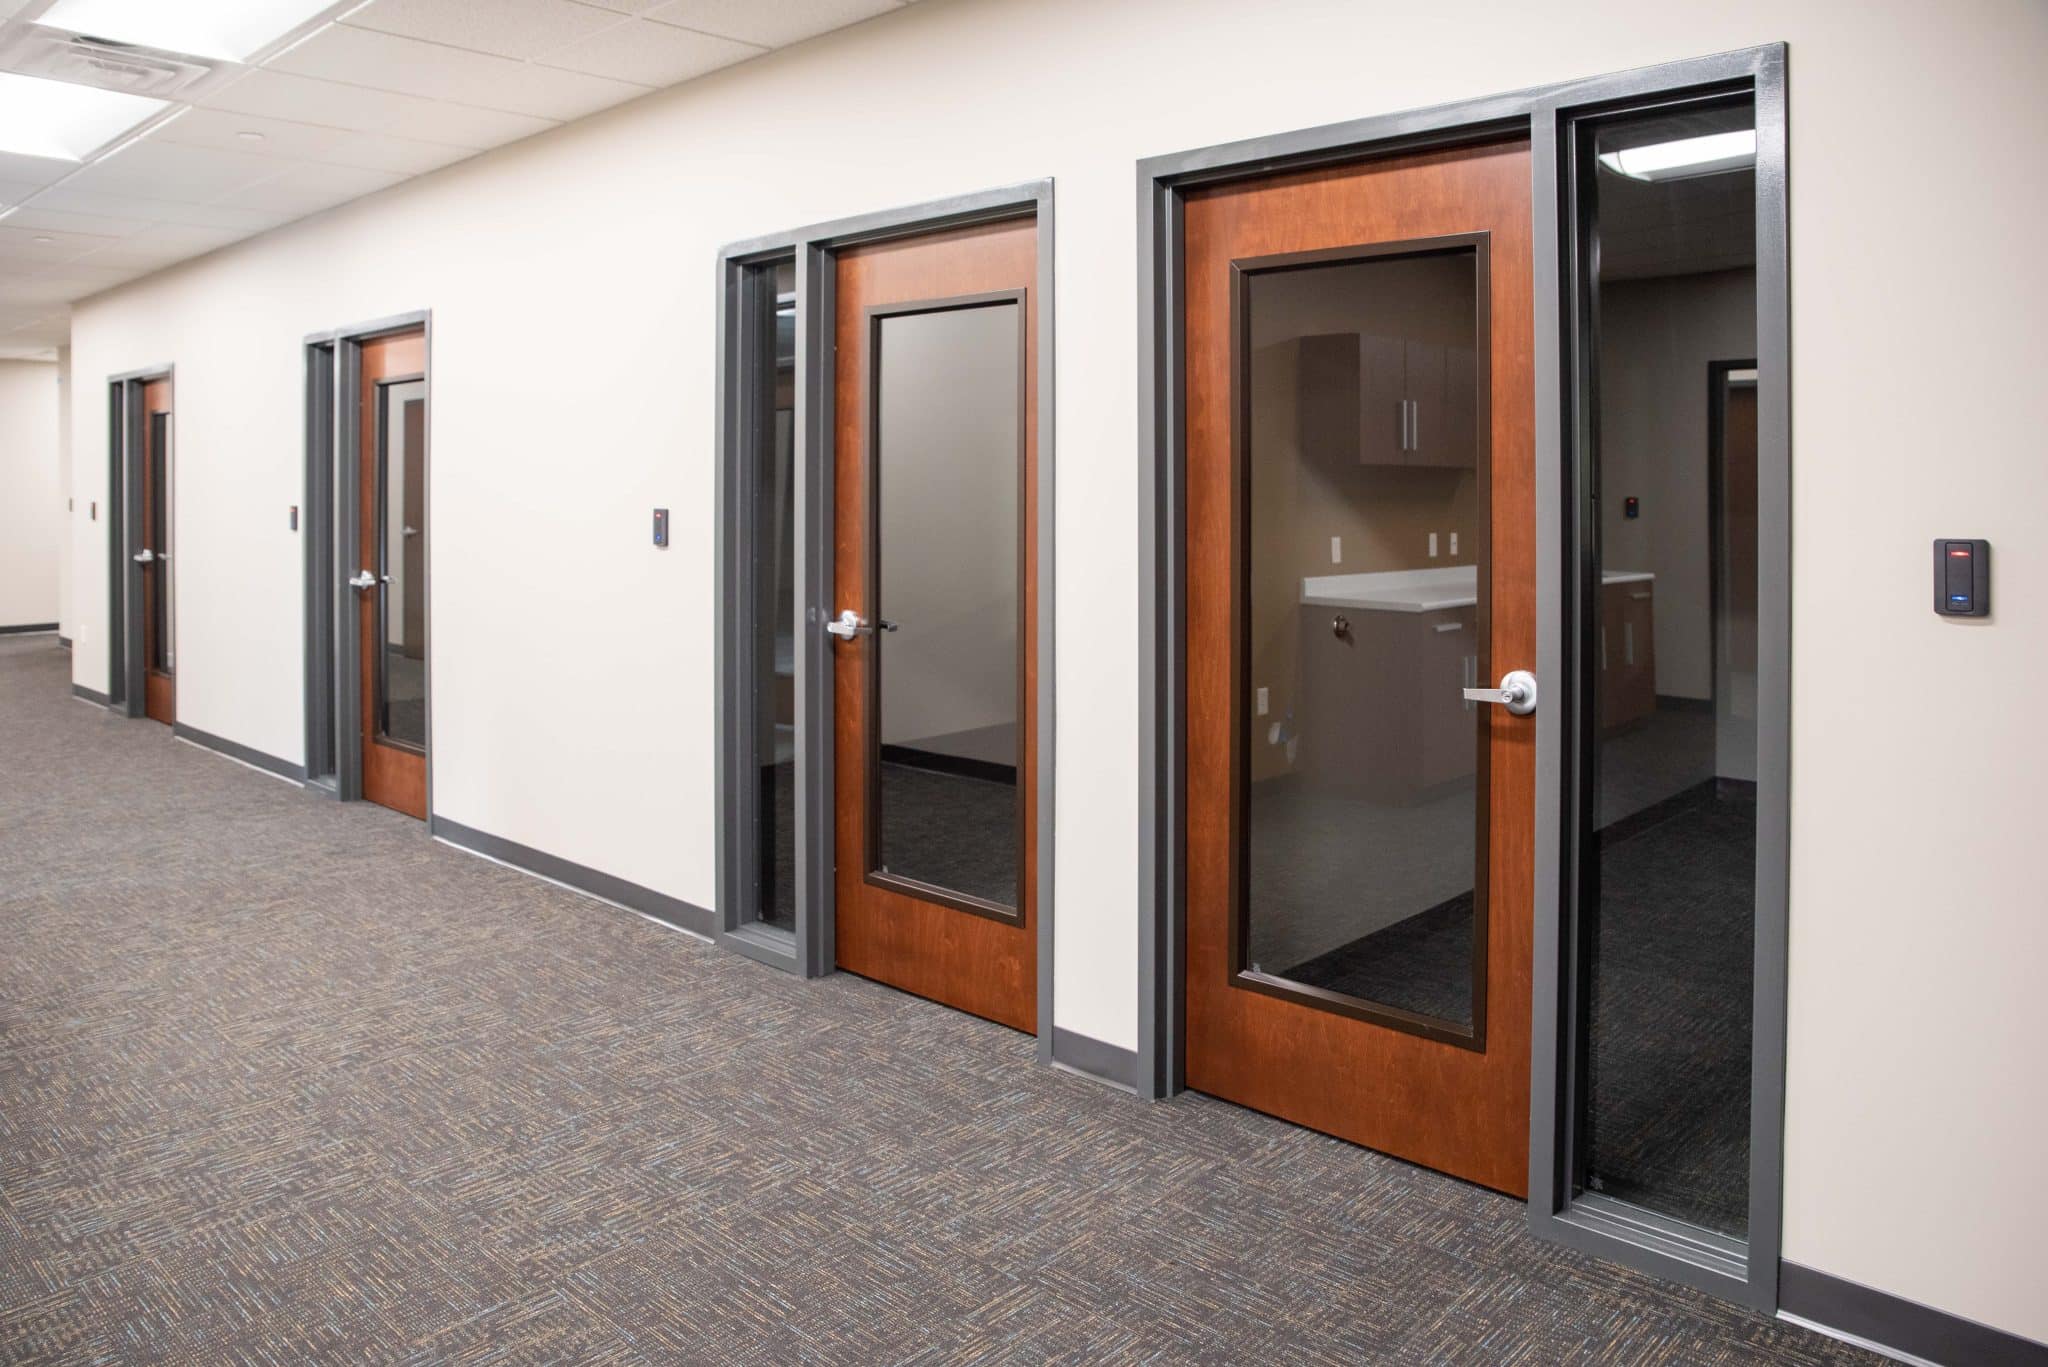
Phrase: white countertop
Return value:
(1455, 586)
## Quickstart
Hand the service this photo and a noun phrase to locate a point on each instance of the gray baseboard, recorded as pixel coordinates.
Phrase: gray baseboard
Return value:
(234, 749)
(1110, 1062)
(79, 690)
(29, 629)
(1901, 1325)
(610, 887)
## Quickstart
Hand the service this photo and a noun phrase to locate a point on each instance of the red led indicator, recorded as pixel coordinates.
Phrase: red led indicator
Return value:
(1964, 554)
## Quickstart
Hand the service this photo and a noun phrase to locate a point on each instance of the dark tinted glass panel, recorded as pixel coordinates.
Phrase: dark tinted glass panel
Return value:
(947, 459)
(402, 553)
(1365, 572)
(1668, 872)
(772, 446)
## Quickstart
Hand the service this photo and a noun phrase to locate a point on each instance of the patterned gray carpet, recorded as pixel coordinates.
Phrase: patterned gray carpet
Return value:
(282, 1080)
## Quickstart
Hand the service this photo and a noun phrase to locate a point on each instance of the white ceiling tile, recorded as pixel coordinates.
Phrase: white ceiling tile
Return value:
(433, 71)
(23, 244)
(99, 225)
(19, 170)
(652, 54)
(503, 28)
(158, 210)
(279, 94)
(287, 140)
(772, 25)
(166, 170)
(155, 248)
(311, 187)
(64, 284)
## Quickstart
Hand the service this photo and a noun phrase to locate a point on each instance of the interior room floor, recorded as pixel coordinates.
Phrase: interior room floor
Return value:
(284, 1080)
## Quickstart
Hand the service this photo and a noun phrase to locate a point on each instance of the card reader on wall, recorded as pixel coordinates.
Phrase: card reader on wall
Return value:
(1962, 578)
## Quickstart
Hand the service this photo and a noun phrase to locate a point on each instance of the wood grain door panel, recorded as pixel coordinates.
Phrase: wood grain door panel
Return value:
(1451, 1106)
(159, 660)
(393, 776)
(978, 963)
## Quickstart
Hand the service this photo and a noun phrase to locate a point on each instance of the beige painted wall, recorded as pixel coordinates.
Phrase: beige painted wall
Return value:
(31, 500)
(572, 286)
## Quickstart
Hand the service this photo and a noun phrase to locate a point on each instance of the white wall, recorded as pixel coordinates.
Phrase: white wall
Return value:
(31, 501)
(573, 293)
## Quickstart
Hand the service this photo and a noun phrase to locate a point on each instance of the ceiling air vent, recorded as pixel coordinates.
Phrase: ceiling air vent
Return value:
(85, 60)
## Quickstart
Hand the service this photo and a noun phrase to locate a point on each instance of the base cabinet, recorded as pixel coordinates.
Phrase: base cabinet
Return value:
(1383, 713)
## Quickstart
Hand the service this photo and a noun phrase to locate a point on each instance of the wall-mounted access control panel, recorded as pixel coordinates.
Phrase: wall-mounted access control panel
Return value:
(1962, 578)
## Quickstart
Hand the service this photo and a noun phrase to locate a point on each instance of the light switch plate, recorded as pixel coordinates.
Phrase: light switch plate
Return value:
(1454, 543)
(1336, 550)
(1262, 702)
(1432, 545)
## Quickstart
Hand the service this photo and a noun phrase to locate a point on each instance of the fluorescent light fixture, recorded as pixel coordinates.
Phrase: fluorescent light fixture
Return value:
(67, 122)
(1701, 156)
(225, 30)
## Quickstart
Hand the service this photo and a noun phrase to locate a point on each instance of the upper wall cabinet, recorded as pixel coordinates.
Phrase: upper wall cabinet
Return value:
(1388, 400)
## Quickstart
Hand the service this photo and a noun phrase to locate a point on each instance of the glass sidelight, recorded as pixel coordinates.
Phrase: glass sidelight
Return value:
(945, 509)
(1361, 412)
(401, 538)
(769, 395)
(1667, 607)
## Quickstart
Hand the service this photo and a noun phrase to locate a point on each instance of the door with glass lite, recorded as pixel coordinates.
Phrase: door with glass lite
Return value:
(1360, 617)
(153, 554)
(390, 582)
(935, 617)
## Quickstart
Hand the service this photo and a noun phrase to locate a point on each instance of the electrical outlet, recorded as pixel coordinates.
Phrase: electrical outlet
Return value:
(1262, 702)
(1336, 550)
(1454, 543)
(1432, 545)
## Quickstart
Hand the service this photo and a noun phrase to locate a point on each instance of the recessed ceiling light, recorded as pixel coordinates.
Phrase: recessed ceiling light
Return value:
(1703, 156)
(230, 30)
(45, 240)
(67, 122)
(249, 135)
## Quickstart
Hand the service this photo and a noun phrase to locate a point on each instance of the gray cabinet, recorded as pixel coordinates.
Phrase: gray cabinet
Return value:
(1387, 400)
(1382, 713)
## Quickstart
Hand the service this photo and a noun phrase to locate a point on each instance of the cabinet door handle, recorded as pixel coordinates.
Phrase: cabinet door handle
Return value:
(1640, 594)
(1628, 643)
(1449, 626)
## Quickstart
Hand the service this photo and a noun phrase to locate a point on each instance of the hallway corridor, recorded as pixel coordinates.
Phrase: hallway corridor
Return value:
(284, 1080)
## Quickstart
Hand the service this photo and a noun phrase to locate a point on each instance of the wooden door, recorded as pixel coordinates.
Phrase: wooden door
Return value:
(159, 650)
(391, 539)
(935, 526)
(1358, 948)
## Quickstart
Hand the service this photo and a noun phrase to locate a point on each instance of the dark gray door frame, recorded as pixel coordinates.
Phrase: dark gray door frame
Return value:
(1548, 115)
(125, 419)
(814, 249)
(334, 444)
(322, 602)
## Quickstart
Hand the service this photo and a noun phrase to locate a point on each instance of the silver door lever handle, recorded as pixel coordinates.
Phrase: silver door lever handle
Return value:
(144, 556)
(1517, 692)
(850, 624)
(363, 580)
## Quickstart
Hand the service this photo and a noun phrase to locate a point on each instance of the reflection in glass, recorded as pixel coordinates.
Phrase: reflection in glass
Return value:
(1668, 867)
(1363, 765)
(947, 461)
(772, 445)
(402, 562)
